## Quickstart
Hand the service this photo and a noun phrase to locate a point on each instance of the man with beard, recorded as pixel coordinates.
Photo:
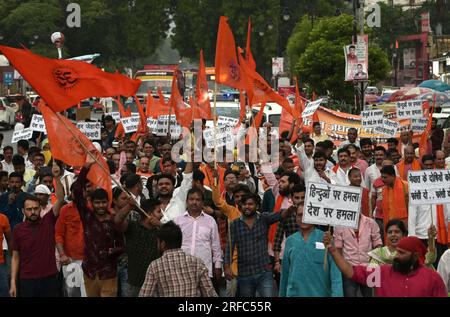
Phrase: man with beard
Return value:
(319, 173)
(11, 202)
(367, 150)
(254, 265)
(33, 260)
(406, 277)
(173, 200)
(409, 163)
(100, 237)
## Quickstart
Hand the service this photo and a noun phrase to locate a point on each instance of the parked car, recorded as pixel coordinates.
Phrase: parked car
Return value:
(7, 113)
(372, 90)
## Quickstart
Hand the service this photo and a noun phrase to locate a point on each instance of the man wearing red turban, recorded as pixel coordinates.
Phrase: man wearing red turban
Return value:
(406, 277)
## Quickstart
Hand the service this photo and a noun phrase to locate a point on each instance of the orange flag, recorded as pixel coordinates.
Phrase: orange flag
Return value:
(64, 83)
(227, 70)
(424, 142)
(150, 103)
(201, 91)
(258, 90)
(248, 53)
(182, 113)
(66, 142)
(157, 108)
(142, 128)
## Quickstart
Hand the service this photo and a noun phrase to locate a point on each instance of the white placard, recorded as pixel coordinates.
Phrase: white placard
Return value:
(410, 109)
(223, 136)
(37, 123)
(419, 125)
(130, 124)
(429, 187)
(333, 205)
(372, 118)
(389, 128)
(152, 123)
(90, 129)
(227, 121)
(311, 108)
(114, 115)
(135, 114)
(162, 126)
(24, 134)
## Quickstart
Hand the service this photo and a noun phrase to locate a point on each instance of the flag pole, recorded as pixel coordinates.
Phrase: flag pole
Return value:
(101, 166)
(214, 130)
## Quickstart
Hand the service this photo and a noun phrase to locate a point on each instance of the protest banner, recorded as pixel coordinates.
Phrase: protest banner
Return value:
(24, 134)
(227, 121)
(389, 128)
(372, 118)
(90, 129)
(311, 107)
(37, 123)
(223, 136)
(162, 126)
(130, 124)
(429, 187)
(337, 206)
(419, 125)
(410, 109)
(114, 115)
(152, 123)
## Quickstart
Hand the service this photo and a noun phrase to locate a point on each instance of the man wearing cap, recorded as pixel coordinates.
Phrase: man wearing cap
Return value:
(406, 277)
(42, 192)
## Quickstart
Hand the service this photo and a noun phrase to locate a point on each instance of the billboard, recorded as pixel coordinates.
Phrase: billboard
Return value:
(357, 59)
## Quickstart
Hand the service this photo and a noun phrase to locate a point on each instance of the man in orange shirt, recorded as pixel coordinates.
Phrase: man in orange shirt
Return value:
(69, 238)
(5, 229)
(409, 163)
(395, 196)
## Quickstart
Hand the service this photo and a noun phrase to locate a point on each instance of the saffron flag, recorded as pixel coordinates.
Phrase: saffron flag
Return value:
(71, 146)
(258, 90)
(424, 142)
(243, 103)
(248, 53)
(142, 128)
(201, 91)
(182, 113)
(227, 70)
(150, 103)
(158, 107)
(64, 83)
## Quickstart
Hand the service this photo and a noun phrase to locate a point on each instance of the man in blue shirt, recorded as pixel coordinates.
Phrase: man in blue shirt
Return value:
(302, 273)
(11, 202)
(249, 234)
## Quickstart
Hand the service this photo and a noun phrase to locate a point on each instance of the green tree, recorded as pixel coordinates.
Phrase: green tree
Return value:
(322, 63)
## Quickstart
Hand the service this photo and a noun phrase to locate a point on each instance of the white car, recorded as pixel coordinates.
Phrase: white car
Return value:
(7, 113)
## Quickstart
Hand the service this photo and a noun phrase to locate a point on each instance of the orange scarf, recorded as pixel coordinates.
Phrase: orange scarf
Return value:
(395, 201)
(415, 166)
(442, 237)
(273, 228)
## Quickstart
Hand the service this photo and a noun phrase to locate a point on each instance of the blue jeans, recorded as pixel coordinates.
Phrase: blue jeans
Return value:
(261, 282)
(4, 290)
(122, 277)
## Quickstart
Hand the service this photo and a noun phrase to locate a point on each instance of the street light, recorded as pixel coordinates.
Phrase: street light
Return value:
(1, 37)
(285, 14)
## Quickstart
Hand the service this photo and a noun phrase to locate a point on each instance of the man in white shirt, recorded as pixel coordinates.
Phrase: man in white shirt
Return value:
(305, 154)
(422, 217)
(200, 234)
(318, 173)
(340, 171)
(373, 171)
(173, 202)
(7, 162)
(352, 135)
(439, 160)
